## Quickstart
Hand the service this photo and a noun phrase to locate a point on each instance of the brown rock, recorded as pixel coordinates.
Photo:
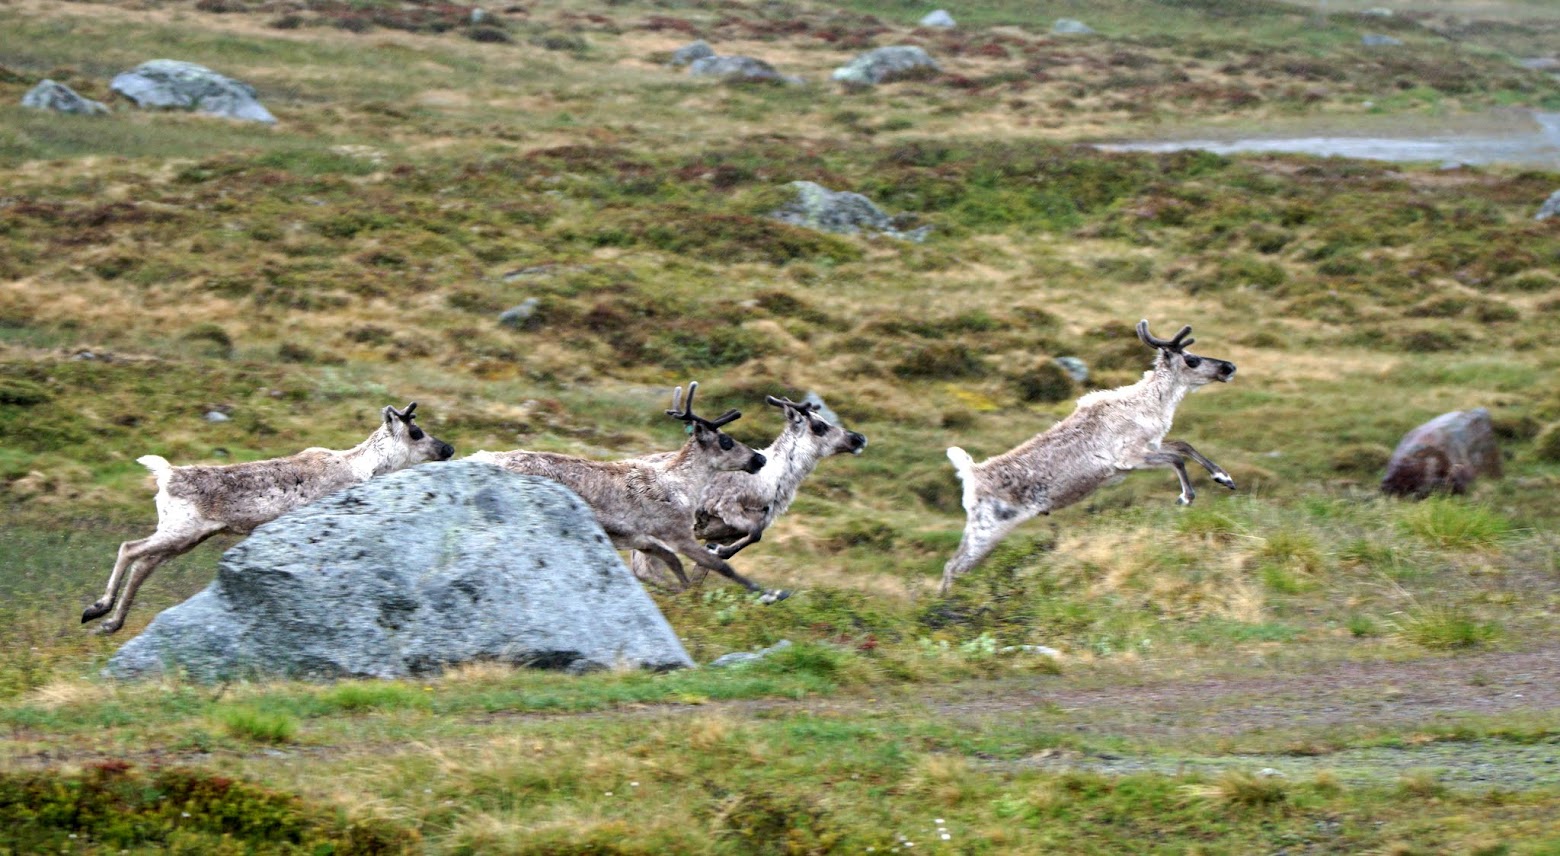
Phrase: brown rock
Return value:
(1445, 454)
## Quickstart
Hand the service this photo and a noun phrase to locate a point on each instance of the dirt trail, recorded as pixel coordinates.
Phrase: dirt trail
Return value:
(1295, 722)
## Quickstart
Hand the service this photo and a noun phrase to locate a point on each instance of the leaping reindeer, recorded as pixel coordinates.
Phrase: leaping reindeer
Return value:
(647, 503)
(196, 502)
(1110, 433)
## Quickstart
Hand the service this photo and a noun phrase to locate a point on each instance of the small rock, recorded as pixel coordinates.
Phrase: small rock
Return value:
(1076, 369)
(939, 18)
(1378, 12)
(737, 657)
(885, 65)
(1071, 27)
(522, 316)
(824, 412)
(738, 69)
(50, 95)
(692, 52)
(1550, 208)
(1374, 40)
(1270, 773)
(171, 84)
(1042, 650)
(1445, 454)
(842, 212)
(217, 416)
(478, 15)
(1540, 63)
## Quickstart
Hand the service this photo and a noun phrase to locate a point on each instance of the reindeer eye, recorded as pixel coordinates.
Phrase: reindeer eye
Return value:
(417, 433)
(726, 443)
(1193, 362)
(820, 427)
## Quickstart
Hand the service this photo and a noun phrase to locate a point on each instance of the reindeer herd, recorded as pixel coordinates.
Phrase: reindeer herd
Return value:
(714, 496)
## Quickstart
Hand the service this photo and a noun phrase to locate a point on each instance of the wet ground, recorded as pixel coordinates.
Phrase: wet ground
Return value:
(1513, 138)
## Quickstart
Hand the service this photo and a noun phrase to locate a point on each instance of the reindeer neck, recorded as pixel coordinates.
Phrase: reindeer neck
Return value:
(789, 459)
(375, 456)
(687, 464)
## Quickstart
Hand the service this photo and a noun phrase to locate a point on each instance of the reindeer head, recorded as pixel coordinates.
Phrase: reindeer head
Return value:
(719, 449)
(808, 427)
(1186, 367)
(417, 444)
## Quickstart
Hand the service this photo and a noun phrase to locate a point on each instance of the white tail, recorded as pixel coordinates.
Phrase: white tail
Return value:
(158, 465)
(964, 465)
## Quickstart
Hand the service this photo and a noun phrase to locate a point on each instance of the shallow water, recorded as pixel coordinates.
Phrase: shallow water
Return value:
(1532, 142)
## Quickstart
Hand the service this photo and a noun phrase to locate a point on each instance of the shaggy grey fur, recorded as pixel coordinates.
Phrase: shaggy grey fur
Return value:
(1109, 434)
(196, 502)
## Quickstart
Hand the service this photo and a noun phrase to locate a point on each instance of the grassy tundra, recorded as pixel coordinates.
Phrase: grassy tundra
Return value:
(1394, 663)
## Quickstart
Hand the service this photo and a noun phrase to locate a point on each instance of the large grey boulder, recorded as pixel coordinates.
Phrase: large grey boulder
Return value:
(1445, 454)
(738, 69)
(171, 84)
(408, 573)
(691, 52)
(885, 65)
(841, 212)
(51, 95)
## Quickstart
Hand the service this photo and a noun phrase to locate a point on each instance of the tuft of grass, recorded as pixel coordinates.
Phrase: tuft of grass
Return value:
(255, 725)
(1443, 628)
(1451, 524)
(1239, 788)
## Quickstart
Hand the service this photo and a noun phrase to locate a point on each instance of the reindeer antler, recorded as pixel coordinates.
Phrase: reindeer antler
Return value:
(1175, 345)
(805, 406)
(406, 415)
(685, 412)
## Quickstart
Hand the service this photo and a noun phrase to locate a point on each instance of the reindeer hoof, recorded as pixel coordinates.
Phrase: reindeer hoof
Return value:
(94, 611)
(108, 628)
(1183, 499)
(1224, 479)
(774, 596)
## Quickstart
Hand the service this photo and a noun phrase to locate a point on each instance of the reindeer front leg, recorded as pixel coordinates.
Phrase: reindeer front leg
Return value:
(1184, 448)
(707, 559)
(726, 551)
(1175, 461)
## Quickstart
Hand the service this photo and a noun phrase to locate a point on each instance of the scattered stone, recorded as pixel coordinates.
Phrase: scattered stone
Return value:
(692, 52)
(738, 657)
(523, 316)
(824, 411)
(1042, 650)
(843, 212)
(217, 416)
(1550, 208)
(51, 95)
(1071, 27)
(171, 84)
(1540, 63)
(478, 15)
(1076, 369)
(885, 65)
(739, 69)
(1378, 12)
(1445, 454)
(1375, 40)
(407, 574)
(939, 18)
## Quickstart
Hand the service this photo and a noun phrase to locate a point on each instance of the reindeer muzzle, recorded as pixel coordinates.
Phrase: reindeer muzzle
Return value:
(1226, 371)
(446, 451)
(754, 463)
(858, 442)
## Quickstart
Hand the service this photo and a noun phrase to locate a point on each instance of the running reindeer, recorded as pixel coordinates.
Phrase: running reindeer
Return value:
(1110, 433)
(196, 502)
(647, 503)
(737, 507)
